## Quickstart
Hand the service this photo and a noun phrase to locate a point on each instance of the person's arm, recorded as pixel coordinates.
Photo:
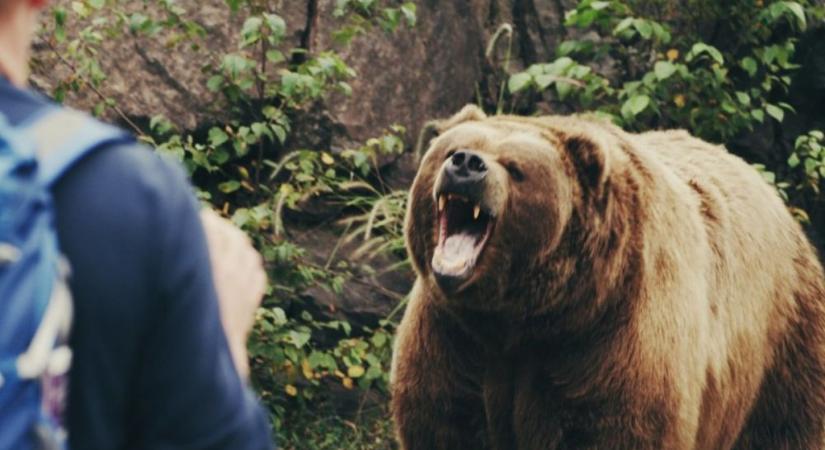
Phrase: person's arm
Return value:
(192, 396)
(240, 280)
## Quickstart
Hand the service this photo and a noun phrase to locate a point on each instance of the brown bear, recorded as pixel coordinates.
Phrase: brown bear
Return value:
(582, 287)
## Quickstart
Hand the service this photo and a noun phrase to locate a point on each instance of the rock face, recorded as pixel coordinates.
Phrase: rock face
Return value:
(412, 75)
(149, 75)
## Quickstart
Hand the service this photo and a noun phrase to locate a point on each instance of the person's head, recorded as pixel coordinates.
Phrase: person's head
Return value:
(18, 20)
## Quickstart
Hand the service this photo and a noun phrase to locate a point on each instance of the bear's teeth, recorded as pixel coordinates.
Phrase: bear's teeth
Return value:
(476, 212)
(442, 202)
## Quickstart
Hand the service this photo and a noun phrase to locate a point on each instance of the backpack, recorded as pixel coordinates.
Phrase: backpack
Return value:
(35, 303)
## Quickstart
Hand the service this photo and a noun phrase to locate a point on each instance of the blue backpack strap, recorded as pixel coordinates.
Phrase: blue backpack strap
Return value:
(63, 136)
(58, 138)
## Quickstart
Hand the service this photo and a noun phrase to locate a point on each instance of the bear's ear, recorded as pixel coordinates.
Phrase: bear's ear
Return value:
(467, 114)
(590, 159)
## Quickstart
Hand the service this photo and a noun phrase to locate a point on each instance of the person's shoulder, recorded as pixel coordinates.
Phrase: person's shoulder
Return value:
(140, 164)
(126, 187)
(128, 168)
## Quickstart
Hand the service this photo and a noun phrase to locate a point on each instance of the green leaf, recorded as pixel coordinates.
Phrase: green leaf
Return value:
(345, 88)
(568, 47)
(276, 25)
(793, 160)
(99, 108)
(299, 338)
(635, 105)
(80, 9)
(355, 371)
(251, 27)
(229, 186)
(217, 137)
(743, 98)
(758, 114)
(715, 54)
(373, 372)
(810, 165)
(319, 359)
(787, 107)
(220, 156)
(214, 83)
(379, 339)
(775, 112)
(559, 66)
(59, 24)
(578, 71)
(289, 82)
(663, 70)
(270, 112)
(138, 22)
(155, 120)
(661, 33)
(392, 18)
(408, 10)
(59, 16)
(749, 65)
(797, 10)
(160, 124)
(545, 80)
(260, 129)
(643, 27)
(623, 25)
(700, 48)
(233, 4)
(280, 133)
(274, 56)
(234, 64)
(563, 89)
(519, 82)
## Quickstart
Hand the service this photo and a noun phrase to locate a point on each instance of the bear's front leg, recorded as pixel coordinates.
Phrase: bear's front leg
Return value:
(436, 400)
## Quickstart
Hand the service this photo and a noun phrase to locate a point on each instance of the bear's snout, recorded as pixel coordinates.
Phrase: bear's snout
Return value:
(463, 173)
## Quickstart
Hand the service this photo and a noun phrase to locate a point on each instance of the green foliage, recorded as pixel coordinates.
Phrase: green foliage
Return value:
(362, 14)
(637, 72)
(808, 159)
(246, 166)
(666, 82)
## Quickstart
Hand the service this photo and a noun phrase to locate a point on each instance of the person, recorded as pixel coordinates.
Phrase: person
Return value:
(158, 340)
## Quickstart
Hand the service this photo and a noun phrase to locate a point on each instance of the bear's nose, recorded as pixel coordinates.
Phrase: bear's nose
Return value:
(466, 166)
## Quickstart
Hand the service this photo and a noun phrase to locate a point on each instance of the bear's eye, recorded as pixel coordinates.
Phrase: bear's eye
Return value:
(514, 171)
(449, 155)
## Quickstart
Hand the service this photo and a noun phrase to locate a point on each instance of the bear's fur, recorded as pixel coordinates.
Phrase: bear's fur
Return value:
(637, 291)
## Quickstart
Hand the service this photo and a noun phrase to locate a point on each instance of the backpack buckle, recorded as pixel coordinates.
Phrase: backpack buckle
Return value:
(9, 254)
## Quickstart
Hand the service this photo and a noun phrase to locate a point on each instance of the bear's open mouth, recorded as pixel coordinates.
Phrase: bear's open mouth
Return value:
(463, 230)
